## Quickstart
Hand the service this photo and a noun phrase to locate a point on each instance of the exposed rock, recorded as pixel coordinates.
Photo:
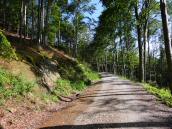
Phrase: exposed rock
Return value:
(49, 72)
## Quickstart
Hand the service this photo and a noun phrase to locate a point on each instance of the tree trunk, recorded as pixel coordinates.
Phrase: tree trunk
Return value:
(39, 23)
(149, 58)
(25, 18)
(76, 31)
(167, 39)
(46, 22)
(145, 38)
(33, 29)
(59, 32)
(141, 65)
(21, 18)
(42, 21)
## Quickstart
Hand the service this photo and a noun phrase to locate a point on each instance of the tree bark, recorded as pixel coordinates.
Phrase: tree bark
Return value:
(33, 29)
(42, 22)
(141, 65)
(21, 18)
(167, 40)
(59, 32)
(46, 21)
(39, 23)
(25, 18)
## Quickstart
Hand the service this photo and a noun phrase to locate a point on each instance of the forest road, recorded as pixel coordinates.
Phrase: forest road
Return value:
(113, 104)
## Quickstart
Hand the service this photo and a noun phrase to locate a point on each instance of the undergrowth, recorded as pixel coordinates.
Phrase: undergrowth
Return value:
(89, 73)
(162, 93)
(64, 87)
(13, 86)
(6, 49)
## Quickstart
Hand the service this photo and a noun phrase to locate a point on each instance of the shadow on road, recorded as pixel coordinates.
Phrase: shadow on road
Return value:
(113, 125)
(120, 97)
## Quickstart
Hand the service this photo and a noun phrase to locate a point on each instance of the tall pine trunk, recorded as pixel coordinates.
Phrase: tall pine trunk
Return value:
(46, 22)
(21, 18)
(33, 29)
(141, 65)
(167, 40)
(39, 23)
(25, 18)
(42, 21)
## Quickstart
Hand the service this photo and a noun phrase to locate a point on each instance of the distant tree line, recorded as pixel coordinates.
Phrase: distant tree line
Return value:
(133, 40)
(59, 23)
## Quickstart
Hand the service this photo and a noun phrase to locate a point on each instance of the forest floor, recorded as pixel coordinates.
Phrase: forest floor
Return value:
(113, 103)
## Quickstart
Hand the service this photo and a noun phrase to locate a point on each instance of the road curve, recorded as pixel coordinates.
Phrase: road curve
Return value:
(119, 104)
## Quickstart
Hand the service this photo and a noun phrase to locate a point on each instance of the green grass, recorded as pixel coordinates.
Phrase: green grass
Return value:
(162, 93)
(13, 86)
(64, 88)
(90, 74)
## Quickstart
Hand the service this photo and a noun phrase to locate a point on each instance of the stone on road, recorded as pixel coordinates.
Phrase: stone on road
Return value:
(120, 104)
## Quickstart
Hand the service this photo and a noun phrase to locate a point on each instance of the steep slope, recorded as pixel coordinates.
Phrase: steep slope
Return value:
(52, 73)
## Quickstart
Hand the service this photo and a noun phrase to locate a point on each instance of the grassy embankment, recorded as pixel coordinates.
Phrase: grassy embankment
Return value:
(163, 94)
(74, 76)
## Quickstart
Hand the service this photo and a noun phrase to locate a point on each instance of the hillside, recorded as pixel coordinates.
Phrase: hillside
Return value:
(34, 77)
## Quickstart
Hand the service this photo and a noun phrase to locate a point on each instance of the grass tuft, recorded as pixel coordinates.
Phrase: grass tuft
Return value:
(162, 93)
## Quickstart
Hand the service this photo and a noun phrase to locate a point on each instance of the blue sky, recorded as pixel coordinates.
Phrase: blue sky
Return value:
(98, 10)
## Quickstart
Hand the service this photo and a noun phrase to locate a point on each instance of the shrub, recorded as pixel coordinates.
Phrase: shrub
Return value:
(12, 86)
(6, 50)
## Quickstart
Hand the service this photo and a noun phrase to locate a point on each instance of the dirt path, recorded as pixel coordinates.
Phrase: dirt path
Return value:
(114, 103)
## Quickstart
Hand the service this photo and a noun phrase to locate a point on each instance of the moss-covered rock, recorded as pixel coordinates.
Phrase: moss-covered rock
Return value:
(6, 50)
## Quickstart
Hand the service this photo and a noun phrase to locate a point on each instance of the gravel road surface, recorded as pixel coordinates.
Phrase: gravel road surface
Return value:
(114, 104)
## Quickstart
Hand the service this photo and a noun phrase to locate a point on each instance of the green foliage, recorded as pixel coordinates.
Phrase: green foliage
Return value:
(6, 50)
(164, 94)
(63, 87)
(13, 86)
(69, 70)
(90, 74)
(66, 87)
(78, 86)
(53, 25)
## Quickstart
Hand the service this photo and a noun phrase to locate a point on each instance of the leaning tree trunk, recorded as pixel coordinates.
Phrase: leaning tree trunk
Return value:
(167, 39)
